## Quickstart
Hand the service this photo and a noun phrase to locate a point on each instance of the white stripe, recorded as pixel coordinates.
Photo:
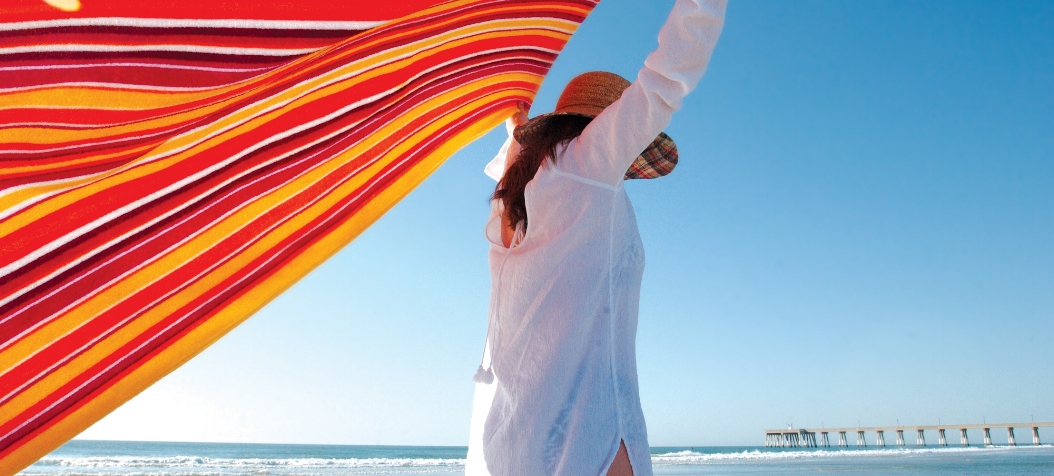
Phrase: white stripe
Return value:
(30, 201)
(137, 65)
(35, 198)
(81, 146)
(194, 23)
(220, 50)
(117, 86)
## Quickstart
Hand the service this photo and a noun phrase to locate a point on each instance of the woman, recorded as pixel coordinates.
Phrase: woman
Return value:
(557, 389)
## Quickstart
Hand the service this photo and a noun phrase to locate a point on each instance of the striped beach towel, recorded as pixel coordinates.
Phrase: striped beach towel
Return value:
(168, 169)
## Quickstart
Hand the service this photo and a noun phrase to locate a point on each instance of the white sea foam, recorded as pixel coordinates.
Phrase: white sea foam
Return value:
(692, 457)
(194, 462)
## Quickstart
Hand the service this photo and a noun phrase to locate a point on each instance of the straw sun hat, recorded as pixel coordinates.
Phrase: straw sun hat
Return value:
(587, 95)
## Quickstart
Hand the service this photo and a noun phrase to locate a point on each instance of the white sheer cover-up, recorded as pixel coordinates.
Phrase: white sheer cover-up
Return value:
(564, 296)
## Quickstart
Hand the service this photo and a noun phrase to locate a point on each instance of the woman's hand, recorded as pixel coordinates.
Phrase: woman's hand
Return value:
(519, 118)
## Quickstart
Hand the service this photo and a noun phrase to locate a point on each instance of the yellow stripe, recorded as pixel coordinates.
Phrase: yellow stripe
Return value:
(446, 7)
(55, 135)
(75, 162)
(101, 98)
(15, 198)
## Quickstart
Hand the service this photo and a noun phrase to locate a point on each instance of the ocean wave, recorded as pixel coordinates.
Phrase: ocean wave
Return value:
(199, 462)
(692, 457)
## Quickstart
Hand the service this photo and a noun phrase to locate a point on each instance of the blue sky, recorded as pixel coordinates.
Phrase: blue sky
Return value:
(860, 229)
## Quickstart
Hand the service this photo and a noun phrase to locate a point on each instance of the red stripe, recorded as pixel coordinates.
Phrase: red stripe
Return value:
(133, 36)
(158, 77)
(321, 10)
(96, 166)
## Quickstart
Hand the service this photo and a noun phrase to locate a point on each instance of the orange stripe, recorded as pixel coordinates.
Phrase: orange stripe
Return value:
(83, 161)
(57, 135)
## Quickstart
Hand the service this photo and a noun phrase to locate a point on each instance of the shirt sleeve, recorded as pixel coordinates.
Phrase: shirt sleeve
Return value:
(495, 169)
(624, 129)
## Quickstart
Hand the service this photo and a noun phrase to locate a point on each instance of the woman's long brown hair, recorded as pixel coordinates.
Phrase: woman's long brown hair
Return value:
(539, 145)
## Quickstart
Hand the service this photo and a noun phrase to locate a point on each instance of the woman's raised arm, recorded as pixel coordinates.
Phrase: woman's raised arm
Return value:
(624, 129)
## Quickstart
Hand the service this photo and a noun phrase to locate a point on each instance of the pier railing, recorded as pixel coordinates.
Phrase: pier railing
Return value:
(806, 438)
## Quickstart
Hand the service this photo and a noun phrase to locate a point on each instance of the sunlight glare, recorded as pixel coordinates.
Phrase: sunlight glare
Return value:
(65, 5)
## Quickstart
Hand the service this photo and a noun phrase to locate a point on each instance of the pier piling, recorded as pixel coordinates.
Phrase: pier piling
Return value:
(803, 438)
(791, 438)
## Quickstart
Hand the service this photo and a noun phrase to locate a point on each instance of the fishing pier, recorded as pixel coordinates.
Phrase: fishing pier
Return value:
(806, 438)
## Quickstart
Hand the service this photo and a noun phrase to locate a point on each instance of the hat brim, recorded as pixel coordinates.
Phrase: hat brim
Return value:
(657, 160)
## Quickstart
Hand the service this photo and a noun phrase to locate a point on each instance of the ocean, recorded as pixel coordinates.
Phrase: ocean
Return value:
(128, 458)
